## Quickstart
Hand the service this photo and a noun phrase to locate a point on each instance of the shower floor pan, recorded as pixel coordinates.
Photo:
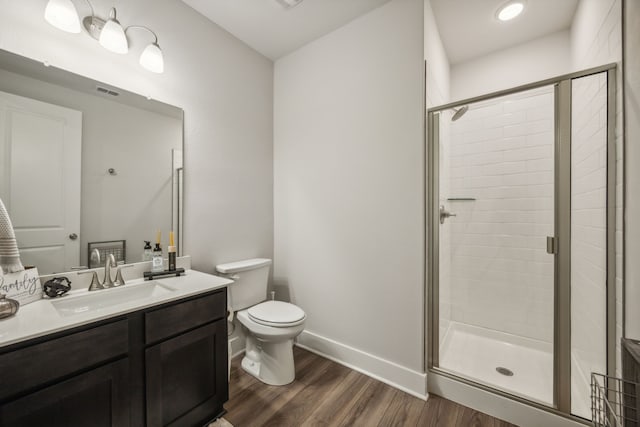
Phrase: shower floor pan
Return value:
(513, 364)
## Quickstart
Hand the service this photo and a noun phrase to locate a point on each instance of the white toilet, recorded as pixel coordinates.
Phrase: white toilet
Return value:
(271, 325)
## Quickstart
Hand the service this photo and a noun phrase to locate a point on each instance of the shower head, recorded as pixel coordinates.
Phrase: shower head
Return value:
(459, 112)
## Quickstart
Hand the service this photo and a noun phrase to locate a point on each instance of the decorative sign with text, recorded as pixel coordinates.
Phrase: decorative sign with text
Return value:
(24, 286)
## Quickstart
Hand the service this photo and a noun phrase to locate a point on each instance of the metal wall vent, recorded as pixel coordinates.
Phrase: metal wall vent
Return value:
(107, 91)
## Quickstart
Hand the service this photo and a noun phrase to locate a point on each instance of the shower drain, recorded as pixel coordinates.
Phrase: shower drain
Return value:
(504, 371)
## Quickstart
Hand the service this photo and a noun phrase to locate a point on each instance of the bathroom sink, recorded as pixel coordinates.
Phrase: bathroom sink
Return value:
(102, 299)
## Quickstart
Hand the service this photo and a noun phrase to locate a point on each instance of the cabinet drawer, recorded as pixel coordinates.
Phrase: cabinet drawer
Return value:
(168, 321)
(37, 364)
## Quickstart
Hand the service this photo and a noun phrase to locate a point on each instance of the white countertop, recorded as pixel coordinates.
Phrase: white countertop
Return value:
(41, 317)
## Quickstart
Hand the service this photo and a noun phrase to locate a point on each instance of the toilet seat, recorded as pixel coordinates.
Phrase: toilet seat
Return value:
(278, 314)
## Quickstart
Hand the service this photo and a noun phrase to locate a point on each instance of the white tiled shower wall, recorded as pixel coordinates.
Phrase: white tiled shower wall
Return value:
(596, 39)
(445, 294)
(502, 156)
(588, 231)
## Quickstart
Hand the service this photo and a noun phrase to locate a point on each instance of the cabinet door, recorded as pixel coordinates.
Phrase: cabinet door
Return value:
(96, 398)
(187, 377)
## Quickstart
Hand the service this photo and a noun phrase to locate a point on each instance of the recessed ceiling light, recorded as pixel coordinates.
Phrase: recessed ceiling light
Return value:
(288, 4)
(510, 10)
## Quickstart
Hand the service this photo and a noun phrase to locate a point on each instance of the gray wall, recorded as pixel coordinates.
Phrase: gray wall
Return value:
(632, 155)
(349, 162)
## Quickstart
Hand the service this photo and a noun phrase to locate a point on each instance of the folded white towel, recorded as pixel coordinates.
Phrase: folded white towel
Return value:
(9, 255)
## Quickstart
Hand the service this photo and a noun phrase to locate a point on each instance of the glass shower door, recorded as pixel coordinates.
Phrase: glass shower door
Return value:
(495, 210)
(522, 239)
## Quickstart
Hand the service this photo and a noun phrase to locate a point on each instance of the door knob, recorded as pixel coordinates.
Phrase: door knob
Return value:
(444, 214)
(73, 236)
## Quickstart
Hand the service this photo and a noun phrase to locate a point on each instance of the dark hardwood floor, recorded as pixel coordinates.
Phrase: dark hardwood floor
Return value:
(326, 393)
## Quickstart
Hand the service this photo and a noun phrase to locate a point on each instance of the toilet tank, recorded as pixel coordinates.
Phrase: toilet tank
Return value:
(250, 278)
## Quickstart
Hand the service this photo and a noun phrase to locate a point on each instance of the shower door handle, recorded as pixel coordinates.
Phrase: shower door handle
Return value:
(552, 245)
(444, 214)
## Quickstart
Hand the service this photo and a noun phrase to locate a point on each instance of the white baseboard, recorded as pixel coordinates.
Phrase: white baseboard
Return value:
(237, 345)
(400, 377)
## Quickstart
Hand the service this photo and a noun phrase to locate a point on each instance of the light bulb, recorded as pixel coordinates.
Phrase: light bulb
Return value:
(112, 36)
(63, 15)
(151, 58)
(510, 11)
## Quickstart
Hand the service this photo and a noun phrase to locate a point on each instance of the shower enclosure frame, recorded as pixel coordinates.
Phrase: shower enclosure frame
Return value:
(562, 233)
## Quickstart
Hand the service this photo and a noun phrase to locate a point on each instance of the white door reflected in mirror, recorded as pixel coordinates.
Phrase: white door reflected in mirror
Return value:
(40, 155)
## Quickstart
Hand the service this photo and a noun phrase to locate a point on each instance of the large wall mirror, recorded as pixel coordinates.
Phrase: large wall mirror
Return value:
(84, 164)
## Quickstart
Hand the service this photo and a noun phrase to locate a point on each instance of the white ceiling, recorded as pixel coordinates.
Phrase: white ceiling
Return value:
(469, 28)
(274, 31)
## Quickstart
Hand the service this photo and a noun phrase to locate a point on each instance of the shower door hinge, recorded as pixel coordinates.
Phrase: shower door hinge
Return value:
(552, 245)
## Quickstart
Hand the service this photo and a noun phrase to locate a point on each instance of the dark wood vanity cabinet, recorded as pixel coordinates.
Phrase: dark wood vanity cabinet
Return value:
(186, 362)
(163, 366)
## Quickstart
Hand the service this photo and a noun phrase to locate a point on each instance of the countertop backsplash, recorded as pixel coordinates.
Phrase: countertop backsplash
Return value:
(82, 281)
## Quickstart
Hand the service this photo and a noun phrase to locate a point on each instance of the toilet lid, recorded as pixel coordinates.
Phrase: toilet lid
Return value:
(276, 313)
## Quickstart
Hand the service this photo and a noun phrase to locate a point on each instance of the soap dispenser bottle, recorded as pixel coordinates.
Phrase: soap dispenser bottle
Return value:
(157, 263)
(147, 253)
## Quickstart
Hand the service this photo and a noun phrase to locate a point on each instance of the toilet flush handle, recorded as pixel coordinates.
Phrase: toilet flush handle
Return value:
(273, 295)
(231, 276)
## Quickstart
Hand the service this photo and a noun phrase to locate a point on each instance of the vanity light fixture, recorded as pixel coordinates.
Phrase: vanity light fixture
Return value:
(510, 10)
(112, 35)
(63, 15)
(151, 58)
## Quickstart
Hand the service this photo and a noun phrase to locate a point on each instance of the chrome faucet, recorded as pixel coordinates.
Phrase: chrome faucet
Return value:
(110, 261)
(119, 278)
(95, 283)
(94, 258)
